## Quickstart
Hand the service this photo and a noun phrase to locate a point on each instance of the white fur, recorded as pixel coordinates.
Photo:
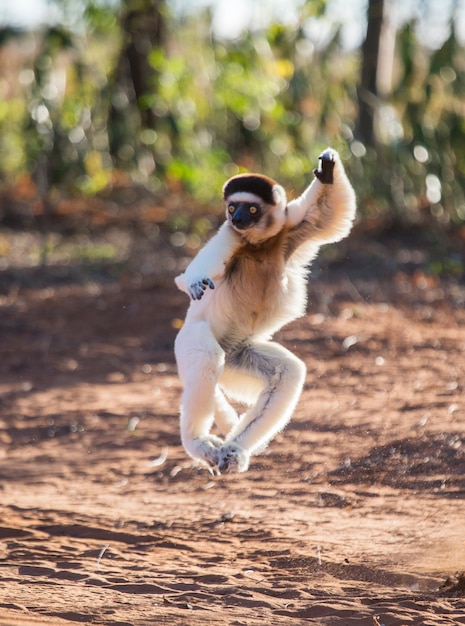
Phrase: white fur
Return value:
(244, 196)
(211, 260)
(224, 347)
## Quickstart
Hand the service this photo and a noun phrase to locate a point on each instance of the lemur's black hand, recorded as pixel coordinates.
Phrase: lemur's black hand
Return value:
(325, 169)
(198, 288)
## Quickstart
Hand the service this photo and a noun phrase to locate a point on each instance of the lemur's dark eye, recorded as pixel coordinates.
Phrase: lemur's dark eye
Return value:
(231, 208)
(253, 209)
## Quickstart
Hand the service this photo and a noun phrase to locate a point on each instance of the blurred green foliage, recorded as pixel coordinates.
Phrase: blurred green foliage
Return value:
(417, 172)
(270, 101)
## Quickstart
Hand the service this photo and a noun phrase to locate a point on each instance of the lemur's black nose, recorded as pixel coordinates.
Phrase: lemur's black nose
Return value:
(238, 221)
(241, 217)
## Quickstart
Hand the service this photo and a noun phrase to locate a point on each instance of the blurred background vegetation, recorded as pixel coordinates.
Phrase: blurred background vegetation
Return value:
(117, 100)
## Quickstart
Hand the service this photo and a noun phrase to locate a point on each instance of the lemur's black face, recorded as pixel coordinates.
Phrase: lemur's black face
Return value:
(244, 215)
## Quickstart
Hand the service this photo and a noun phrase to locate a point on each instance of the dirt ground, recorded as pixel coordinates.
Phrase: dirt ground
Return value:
(354, 515)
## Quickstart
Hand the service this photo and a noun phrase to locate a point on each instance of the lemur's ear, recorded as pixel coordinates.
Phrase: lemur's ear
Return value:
(279, 196)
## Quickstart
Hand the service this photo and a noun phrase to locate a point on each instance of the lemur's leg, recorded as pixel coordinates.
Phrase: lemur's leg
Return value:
(283, 375)
(225, 416)
(200, 361)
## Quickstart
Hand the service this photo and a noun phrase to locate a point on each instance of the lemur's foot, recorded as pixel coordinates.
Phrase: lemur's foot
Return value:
(325, 169)
(231, 456)
(205, 449)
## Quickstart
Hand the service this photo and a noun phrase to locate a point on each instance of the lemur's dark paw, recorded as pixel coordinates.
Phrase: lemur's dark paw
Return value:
(325, 169)
(198, 288)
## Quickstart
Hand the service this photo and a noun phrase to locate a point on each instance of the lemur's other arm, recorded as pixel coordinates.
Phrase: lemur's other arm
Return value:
(209, 263)
(327, 205)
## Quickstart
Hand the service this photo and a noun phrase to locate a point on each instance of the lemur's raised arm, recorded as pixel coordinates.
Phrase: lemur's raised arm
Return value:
(328, 203)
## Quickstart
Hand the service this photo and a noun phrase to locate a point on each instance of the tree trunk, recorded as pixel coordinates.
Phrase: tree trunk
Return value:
(143, 29)
(368, 88)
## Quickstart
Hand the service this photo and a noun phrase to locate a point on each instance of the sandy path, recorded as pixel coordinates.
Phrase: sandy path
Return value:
(354, 515)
